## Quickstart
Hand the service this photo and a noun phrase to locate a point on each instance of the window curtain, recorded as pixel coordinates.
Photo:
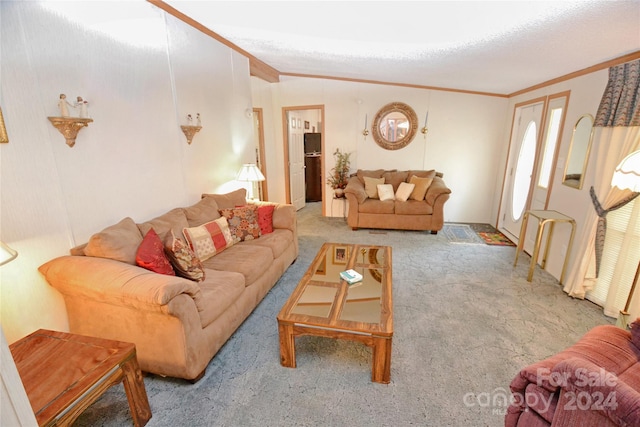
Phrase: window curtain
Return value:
(616, 135)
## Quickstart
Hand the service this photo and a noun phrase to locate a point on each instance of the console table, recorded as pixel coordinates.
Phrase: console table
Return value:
(64, 373)
(544, 217)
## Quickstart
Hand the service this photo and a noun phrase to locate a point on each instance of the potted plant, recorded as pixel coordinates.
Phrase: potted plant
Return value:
(340, 172)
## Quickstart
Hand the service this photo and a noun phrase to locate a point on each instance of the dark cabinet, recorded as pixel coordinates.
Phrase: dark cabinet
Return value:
(313, 178)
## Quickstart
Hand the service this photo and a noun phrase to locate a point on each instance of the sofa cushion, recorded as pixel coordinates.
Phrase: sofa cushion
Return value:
(174, 220)
(243, 222)
(385, 192)
(404, 191)
(370, 173)
(278, 241)
(376, 206)
(151, 255)
(395, 178)
(265, 218)
(421, 185)
(119, 242)
(209, 239)
(184, 261)
(219, 291)
(204, 211)
(371, 186)
(249, 260)
(229, 200)
(413, 207)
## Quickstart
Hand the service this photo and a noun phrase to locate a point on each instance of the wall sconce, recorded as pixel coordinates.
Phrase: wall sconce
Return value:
(365, 131)
(424, 128)
(190, 130)
(69, 127)
(250, 173)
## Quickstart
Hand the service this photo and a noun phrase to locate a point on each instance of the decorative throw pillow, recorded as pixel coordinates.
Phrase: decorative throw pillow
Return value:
(150, 255)
(184, 261)
(385, 191)
(421, 187)
(209, 238)
(265, 218)
(243, 222)
(119, 242)
(404, 191)
(371, 186)
(635, 332)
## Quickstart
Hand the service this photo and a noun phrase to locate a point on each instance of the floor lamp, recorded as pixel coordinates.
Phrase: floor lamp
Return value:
(627, 177)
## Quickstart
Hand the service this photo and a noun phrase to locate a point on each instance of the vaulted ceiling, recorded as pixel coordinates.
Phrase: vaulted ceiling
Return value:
(497, 47)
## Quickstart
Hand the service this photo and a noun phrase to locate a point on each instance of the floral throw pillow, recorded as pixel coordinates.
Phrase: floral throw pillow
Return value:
(243, 222)
(184, 261)
(150, 255)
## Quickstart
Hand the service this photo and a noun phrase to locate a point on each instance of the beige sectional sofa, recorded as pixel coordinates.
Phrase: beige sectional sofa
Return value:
(423, 209)
(177, 324)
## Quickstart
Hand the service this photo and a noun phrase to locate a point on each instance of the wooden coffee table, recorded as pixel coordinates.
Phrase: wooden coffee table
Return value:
(325, 305)
(64, 373)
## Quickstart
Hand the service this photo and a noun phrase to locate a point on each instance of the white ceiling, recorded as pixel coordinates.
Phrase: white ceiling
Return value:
(487, 46)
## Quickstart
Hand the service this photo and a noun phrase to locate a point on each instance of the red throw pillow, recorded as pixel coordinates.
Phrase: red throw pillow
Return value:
(265, 218)
(150, 255)
(635, 332)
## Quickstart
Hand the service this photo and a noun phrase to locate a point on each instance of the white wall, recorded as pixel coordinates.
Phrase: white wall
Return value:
(142, 72)
(465, 138)
(468, 141)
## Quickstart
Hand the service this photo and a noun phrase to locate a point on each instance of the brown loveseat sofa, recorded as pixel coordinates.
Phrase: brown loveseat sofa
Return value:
(595, 382)
(177, 324)
(422, 211)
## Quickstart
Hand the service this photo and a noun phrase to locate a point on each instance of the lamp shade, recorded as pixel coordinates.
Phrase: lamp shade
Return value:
(627, 174)
(250, 172)
(6, 253)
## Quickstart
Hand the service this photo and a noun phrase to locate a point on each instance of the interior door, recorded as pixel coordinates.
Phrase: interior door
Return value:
(522, 155)
(296, 159)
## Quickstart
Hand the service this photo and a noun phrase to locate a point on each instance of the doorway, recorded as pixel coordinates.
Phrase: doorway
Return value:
(298, 121)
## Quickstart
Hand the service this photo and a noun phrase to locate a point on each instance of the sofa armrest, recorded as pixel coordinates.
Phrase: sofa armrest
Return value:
(355, 187)
(436, 189)
(590, 393)
(117, 283)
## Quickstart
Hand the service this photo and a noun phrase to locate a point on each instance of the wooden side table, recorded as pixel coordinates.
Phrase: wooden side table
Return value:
(544, 217)
(64, 373)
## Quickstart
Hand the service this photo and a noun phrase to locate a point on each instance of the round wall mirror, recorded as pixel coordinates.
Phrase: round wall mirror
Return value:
(394, 126)
(579, 152)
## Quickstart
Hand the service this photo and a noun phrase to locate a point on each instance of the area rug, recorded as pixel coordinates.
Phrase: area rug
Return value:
(460, 233)
(495, 238)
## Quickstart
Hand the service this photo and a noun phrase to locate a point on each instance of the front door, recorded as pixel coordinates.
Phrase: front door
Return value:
(518, 185)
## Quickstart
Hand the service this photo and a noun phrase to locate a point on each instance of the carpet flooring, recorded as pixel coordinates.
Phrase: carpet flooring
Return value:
(465, 322)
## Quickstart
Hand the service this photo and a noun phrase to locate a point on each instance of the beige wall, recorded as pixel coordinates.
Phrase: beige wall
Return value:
(133, 160)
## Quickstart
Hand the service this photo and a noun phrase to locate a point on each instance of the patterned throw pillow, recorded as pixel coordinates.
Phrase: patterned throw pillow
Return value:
(209, 238)
(243, 222)
(185, 263)
(265, 218)
(150, 255)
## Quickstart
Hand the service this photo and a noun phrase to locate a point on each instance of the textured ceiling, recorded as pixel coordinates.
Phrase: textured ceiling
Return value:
(497, 47)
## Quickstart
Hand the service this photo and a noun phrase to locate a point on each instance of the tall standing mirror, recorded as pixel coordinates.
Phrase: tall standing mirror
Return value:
(579, 149)
(394, 126)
